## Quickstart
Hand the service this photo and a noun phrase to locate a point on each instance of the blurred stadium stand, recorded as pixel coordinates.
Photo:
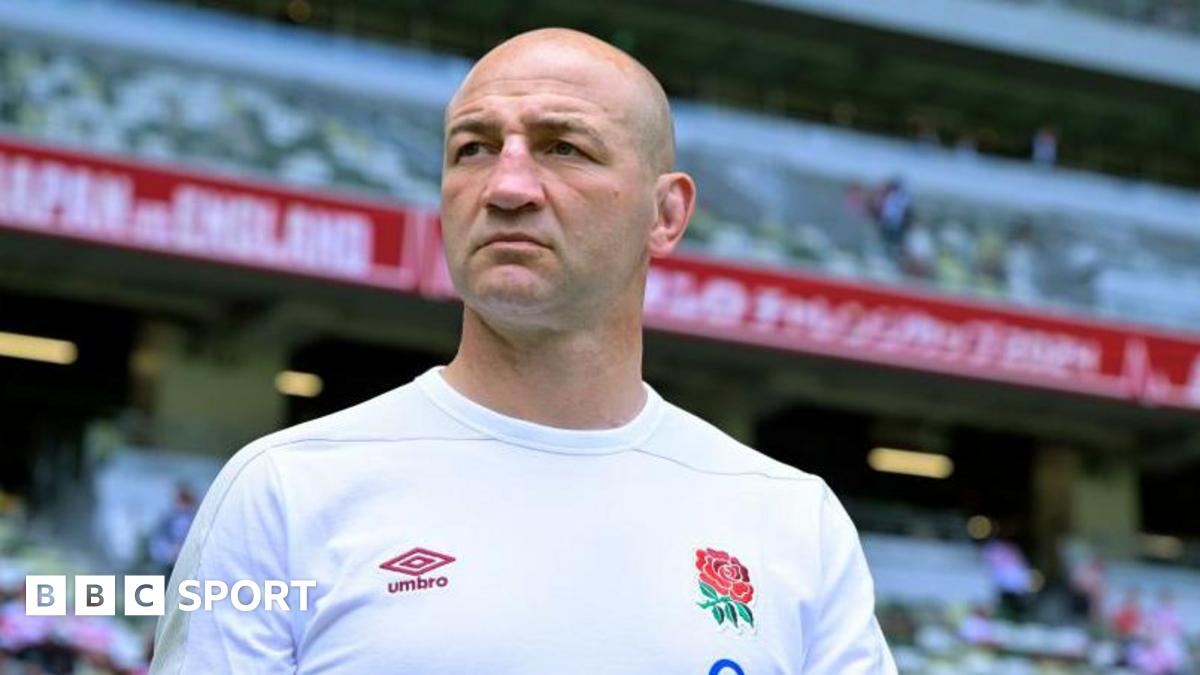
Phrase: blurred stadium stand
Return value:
(781, 203)
(862, 159)
(1182, 15)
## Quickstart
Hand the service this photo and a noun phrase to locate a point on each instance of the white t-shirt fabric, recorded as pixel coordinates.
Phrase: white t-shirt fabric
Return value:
(446, 538)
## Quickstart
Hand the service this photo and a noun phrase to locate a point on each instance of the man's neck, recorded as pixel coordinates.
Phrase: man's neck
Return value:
(588, 379)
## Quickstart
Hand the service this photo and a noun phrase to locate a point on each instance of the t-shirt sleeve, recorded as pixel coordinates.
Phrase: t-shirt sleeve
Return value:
(847, 638)
(240, 533)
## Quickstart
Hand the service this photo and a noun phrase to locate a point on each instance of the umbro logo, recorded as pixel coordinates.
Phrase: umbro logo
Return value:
(415, 563)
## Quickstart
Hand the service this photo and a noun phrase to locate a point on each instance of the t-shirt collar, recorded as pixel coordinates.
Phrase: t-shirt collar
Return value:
(523, 432)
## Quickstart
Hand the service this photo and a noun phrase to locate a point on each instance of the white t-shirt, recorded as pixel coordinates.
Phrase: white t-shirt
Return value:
(446, 538)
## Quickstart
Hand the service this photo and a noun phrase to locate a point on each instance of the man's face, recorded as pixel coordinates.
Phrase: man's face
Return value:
(547, 200)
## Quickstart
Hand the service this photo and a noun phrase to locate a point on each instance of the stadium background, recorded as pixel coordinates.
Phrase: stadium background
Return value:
(964, 229)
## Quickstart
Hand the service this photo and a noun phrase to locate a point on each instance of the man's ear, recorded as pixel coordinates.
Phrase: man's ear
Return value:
(675, 199)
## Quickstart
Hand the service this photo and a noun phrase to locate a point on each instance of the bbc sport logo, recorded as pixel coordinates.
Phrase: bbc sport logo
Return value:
(145, 595)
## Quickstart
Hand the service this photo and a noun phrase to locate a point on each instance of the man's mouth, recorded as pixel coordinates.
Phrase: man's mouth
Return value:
(514, 240)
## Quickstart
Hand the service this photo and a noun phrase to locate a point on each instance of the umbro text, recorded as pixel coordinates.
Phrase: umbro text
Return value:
(418, 584)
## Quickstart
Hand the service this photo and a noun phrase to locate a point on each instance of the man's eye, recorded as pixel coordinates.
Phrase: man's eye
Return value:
(564, 148)
(469, 149)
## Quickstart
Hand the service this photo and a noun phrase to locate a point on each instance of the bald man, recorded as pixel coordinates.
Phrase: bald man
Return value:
(533, 507)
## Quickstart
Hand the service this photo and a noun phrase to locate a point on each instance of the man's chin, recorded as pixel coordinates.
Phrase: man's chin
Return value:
(511, 284)
(510, 300)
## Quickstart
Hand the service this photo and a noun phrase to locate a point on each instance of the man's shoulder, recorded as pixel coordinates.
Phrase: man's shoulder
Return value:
(362, 420)
(399, 414)
(704, 447)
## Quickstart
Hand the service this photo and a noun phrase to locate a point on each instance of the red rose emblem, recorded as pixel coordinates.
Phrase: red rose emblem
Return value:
(725, 574)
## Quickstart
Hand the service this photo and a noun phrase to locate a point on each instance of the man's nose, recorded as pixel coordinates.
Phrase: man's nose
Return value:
(514, 184)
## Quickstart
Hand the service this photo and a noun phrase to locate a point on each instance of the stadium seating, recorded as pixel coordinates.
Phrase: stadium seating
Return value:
(160, 111)
(936, 608)
(755, 205)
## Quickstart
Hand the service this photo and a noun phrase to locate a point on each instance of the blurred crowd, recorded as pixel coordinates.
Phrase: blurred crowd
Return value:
(68, 645)
(158, 110)
(1034, 628)
(996, 260)
(76, 645)
(752, 206)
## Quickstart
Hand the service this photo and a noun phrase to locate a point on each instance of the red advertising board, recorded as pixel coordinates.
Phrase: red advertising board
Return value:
(165, 210)
(235, 221)
(863, 322)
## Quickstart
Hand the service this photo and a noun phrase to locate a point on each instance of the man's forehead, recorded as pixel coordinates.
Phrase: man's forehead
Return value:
(584, 73)
(528, 99)
(574, 83)
(553, 51)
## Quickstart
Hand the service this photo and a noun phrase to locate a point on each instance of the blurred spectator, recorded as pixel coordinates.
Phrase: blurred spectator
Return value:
(1011, 577)
(892, 208)
(1127, 620)
(978, 628)
(920, 252)
(1019, 263)
(1164, 618)
(168, 537)
(953, 268)
(1045, 146)
(1158, 655)
(1087, 589)
(989, 255)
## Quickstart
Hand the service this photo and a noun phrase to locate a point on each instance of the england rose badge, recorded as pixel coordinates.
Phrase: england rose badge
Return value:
(725, 585)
